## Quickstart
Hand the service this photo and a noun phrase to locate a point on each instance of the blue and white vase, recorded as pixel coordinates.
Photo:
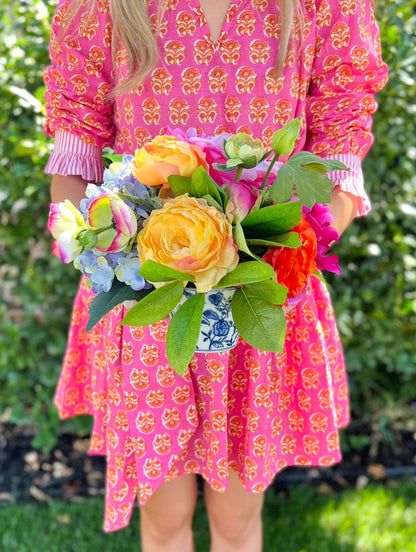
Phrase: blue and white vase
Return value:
(218, 332)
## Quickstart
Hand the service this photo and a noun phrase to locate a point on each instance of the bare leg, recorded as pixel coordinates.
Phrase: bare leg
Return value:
(235, 518)
(166, 519)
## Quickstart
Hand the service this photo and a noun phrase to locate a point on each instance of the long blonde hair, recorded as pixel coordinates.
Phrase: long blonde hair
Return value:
(132, 28)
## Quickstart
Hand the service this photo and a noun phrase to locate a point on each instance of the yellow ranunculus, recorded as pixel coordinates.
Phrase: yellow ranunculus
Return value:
(189, 236)
(164, 156)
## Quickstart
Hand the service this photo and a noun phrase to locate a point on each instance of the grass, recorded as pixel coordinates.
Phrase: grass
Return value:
(378, 518)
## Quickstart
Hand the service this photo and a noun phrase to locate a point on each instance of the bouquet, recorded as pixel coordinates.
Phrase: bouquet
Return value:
(188, 215)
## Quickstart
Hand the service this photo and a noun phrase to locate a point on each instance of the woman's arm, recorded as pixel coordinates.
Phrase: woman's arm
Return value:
(343, 208)
(68, 187)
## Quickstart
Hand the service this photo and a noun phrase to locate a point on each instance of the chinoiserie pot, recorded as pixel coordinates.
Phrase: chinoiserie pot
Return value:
(218, 332)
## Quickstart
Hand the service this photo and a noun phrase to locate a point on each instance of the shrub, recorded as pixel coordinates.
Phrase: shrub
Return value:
(375, 298)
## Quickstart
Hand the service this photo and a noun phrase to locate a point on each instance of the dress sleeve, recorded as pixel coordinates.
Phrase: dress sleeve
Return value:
(78, 112)
(347, 72)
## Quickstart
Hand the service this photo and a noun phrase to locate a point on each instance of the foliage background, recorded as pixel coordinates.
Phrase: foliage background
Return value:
(375, 298)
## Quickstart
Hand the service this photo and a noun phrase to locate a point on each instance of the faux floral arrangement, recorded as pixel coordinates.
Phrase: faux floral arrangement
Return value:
(187, 215)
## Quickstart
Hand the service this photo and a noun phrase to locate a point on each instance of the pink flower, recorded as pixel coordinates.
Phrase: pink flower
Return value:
(65, 224)
(242, 198)
(320, 219)
(113, 221)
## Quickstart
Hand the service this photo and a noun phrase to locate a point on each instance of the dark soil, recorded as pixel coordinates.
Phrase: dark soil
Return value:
(68, 473)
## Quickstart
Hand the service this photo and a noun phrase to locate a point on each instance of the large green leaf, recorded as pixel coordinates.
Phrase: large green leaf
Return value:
(289, 239)
(155, 306)
(203, 185)
(156, 272)
(183, 333)
(272, 220)
(304, 176)
(260, 323)
(105, 302)
(268, 290)
(247, 273)
(240, 241)
(180, 184)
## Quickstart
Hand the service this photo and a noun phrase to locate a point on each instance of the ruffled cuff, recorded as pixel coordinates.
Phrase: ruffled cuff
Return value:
(351, 181)
(71, 156)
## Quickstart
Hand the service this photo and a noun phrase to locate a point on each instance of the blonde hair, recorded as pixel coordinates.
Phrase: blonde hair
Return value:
(133, 29)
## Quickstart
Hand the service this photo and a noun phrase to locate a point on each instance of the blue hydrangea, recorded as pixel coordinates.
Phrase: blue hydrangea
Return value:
(118, 174)
(101, 275)
(127, 271)
(85, 260)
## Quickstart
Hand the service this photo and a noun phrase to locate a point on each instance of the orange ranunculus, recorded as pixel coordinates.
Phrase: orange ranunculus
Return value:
(294, 266)
(189, 236)
(164, 156)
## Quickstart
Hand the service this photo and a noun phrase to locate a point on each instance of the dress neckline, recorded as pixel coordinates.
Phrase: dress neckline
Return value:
(203, 23)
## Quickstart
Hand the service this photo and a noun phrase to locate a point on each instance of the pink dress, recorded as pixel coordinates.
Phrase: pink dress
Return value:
(247, 410)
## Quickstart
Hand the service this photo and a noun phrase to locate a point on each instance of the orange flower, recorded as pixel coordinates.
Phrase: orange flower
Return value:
(165, 156)
(189, 236)
(294, 266)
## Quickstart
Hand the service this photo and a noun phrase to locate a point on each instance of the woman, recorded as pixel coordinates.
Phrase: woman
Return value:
(122, 72)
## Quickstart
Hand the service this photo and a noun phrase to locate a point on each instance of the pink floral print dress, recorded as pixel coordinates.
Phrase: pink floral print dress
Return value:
(244, 410)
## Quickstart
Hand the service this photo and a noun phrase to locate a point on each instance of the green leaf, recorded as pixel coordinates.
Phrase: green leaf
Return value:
(183, 333)
(304, 176)
(105, 302)
(222, 168)
(113, 158)
(313, 162)
(212, 203)
(202, 185)
(272, 220)
(240, 241)
(155, 306)
(156, 272)
(283, 188)
(247, 273)
(233, 163)
(180, 184)
(269, 291)
(260, 323)
(289, 239)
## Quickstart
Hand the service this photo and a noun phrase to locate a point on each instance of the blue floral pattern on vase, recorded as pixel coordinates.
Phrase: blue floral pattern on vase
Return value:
(218, 332)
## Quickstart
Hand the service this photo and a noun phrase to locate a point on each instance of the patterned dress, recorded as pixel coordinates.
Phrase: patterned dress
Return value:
(246, 410)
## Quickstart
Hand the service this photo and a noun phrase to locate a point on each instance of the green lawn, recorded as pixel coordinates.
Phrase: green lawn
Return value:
(375, 519)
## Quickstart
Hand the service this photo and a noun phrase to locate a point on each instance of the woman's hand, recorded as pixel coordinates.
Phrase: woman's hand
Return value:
(68, 187)
(343, 207)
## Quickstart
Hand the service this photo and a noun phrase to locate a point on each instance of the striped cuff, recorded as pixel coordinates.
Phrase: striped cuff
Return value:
(71, 156)
(351, 181)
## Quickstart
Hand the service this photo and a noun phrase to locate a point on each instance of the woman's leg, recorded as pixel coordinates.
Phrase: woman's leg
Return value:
(235, 518)
(166, 519)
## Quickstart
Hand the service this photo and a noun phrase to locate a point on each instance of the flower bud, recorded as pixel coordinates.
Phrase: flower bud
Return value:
(87, 239)
(242, 198)
(243, 151)
(113, 222)
(283, 141)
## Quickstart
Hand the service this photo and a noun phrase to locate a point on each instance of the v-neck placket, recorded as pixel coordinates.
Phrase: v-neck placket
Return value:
(203, 25)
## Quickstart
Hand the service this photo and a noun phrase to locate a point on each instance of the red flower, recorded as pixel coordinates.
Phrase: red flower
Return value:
(294, 266)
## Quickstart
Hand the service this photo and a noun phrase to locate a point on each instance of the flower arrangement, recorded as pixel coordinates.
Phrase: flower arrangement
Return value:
(188, 215)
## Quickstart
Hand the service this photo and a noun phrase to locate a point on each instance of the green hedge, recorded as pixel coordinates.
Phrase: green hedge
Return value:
(374, 298)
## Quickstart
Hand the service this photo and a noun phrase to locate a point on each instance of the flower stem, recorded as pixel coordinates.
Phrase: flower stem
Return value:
(269, 170)
(104, 229)
(238, 174)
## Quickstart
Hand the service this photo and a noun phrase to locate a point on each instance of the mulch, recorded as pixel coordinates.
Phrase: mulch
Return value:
(68, 473)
